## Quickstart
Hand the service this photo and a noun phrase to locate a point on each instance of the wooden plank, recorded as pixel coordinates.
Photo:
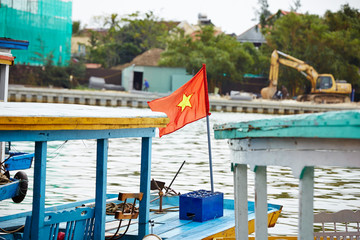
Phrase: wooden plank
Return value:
(334, 118)
(42, 116)
(294, 143)
(295, 153)
(298, 131)
(338, 217)
(99, 126)
(337, 124)
(9, 190)
(119, 215)
(44, 135)
(124, 196)
(11, 120)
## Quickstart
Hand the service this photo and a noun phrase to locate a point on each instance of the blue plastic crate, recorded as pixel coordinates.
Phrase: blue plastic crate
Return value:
(201, 205)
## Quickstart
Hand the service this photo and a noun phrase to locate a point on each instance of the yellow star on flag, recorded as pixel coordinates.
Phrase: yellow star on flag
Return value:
(185, 102)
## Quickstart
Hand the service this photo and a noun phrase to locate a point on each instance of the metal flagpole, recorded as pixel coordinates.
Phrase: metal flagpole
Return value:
(210, 158)
(208, 131)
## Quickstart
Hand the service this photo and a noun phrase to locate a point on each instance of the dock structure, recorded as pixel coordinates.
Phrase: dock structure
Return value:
(301, 142)
(74, 122)
(139, 99)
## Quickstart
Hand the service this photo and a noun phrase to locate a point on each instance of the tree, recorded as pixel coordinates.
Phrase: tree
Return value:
(127, 37)
(76, 27)
(139, 34)
(113, 24)
(226, 59)
(344, 40)
(296, 6)
(263, 13)
(329, 44)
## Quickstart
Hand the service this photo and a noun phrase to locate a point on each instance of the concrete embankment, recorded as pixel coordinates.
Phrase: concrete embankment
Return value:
(139, 100)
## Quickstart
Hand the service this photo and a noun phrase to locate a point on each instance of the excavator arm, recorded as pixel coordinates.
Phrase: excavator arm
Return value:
(308, 71)
(324, 88)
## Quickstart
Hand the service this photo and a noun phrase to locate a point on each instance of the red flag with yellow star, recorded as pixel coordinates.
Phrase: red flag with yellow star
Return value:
(187, 104)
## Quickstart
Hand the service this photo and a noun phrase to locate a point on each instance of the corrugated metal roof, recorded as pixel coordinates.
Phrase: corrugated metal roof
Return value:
(253, 35)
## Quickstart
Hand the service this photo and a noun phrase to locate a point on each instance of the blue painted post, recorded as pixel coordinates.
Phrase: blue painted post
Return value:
(38, 207)
(100, 196)
(144, 208)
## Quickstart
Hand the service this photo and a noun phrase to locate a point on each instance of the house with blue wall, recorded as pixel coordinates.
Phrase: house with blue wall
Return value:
(161, 79)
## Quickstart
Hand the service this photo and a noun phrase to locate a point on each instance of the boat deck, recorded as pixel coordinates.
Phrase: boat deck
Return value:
(166, 225)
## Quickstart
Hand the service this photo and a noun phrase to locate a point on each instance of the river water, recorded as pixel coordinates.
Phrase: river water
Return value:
(71, 172)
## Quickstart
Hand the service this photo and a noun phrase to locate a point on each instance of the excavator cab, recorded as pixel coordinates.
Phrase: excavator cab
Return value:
(324, 82)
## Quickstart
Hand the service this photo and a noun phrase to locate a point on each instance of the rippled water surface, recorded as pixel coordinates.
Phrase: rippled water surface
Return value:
(71, 172)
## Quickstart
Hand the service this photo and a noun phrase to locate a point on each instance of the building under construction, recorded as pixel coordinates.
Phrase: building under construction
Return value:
(46, 24)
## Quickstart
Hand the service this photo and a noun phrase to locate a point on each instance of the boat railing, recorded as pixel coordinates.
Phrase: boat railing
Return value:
(79, 224)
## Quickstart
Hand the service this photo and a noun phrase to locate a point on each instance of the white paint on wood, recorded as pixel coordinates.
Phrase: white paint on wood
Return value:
(306, 205)
(261, 203)
(241, 201)
(295, 153)
(72, 110)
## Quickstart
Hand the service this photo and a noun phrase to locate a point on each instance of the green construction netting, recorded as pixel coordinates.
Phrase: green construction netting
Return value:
(46, 24)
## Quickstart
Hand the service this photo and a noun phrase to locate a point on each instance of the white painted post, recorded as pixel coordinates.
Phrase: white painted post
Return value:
(241, 201)
(4, 82)
(306, 204)
(261, 203)
(4, 85)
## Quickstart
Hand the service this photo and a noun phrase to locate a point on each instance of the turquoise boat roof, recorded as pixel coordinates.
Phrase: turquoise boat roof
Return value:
(336, 124)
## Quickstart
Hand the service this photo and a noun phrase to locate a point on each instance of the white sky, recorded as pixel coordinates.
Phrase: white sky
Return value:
(233, 16)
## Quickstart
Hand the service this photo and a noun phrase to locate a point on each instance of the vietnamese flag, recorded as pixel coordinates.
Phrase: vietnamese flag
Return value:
(187, 104)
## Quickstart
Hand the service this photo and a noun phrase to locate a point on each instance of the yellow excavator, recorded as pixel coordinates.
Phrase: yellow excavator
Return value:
(324, 88)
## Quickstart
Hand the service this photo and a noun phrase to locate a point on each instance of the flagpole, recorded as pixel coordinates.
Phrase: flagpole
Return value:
(208, 130)
(210, 158)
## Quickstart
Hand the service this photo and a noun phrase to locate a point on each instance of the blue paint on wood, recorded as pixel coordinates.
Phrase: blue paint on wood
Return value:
(78, 224)
(38, 206)
(145, 176)
(75, 134)
(101, 178)
(19, 218)
(9, 190)
(18, 161)
(169, 226)
(337, 124)
(13, 44)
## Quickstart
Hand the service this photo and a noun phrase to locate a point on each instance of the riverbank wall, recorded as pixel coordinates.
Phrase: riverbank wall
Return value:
(139, 99)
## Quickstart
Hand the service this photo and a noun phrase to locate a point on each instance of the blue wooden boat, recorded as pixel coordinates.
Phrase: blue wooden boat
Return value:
(166, 225)
(302, 143)
(16, 187)
(88, 219)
